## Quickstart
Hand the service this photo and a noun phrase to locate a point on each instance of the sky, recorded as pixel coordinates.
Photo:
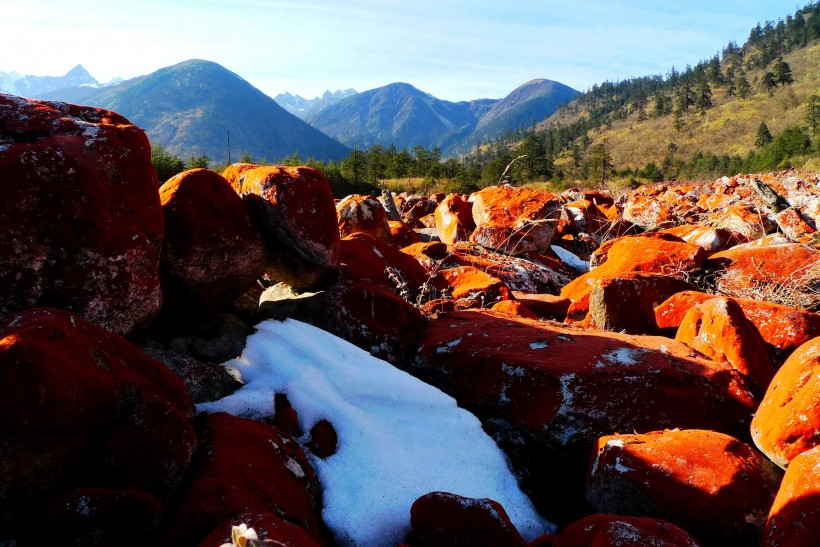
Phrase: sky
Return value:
(453, 49)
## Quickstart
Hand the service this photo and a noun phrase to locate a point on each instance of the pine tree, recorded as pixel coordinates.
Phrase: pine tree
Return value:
(782, 72)
(703, 96)
(678, 122)
(763, 136)
(600, 163)
(769, 82)
(744, 88)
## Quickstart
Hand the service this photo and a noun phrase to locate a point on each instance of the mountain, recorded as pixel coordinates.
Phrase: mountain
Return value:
(404, 116)
(527, 104)
(193, 107)
(304, 108)
(35, 86)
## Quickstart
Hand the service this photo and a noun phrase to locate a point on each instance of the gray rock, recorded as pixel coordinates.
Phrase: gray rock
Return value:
(205, 381)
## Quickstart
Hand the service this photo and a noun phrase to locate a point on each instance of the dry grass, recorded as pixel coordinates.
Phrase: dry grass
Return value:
(728, 128)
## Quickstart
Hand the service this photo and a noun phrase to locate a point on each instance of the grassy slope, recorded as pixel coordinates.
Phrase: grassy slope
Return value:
(728, 128)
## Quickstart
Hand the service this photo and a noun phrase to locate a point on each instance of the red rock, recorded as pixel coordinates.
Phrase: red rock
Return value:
(454, 219)
(669, 314)
(783, 274)
(782, 328)
(518, 273)
(792, 223)
(564, 387)
(648, 212)
(788, 419)
(402, 234)
(514, 220)
(365, 257)
(544, 306)
(718, 329)
(621, 531)
(712, 239)
(96, 516)
(470, 282)
(363, 214)
(83, 407)
(745, 220)
(233, 173)
(626, 303)
(794, 518)
(659, 253)
(444, 519)
(419, 209)
(374, 318)
(295, 208)
(712, 485)
(211, 253)
(323, 439)
(513, 307)
(269, 527)
(245, 466)
(80, 216)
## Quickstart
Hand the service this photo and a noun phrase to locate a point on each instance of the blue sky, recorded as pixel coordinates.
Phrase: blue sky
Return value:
(453, 49)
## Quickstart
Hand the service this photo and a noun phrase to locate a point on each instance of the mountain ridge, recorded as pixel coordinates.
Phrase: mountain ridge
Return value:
(195, 107)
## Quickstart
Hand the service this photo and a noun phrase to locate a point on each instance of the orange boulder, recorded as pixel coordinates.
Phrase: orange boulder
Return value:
(80, 217)
(658, 253)
(718, 329)
(794, 518)
(712, 485)
(362, 214)
(788, 419)
(712, 240)
(294, 206)
(454, 219)
(211, 253)
(626, 303)
(601, 530)
(514, 220)
(784, 274)
(470, 282)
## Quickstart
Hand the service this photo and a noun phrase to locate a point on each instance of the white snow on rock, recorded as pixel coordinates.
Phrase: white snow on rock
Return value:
(398, 438)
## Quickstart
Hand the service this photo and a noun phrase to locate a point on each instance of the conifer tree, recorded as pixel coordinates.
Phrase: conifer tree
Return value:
(763, 136)
(769, 82)
(744, 88)
(782, 72)
(703, 96)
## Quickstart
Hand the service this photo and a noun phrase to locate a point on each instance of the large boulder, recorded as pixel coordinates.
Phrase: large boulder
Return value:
(718, 329)
(454, 219)
(548, 391)
(788, 419)
(83, 407)
(794, 518)
(626, 303)
(211, 253)
(654, 253)
(442, 519)
(514, 220)
(783, 328)
(295, 209)
(712, 485)
(787, 274)
(245, 466)
(620, 531)
(362, 214)
(80, 216)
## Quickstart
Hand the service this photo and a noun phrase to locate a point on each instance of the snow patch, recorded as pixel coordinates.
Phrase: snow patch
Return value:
(398, 438)
(538, 345)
